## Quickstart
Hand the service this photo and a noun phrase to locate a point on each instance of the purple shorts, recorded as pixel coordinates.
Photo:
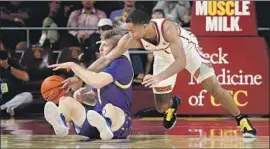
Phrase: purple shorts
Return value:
(92, 132)
(125, 129)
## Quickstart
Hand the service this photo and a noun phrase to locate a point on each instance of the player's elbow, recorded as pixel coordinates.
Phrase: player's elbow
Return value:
(96, 83)
(181, 62)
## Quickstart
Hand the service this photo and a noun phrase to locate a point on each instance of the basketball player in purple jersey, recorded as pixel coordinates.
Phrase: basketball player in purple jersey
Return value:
(109, 114)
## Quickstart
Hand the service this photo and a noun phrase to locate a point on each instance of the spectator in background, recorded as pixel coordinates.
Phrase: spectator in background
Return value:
(12, 76)
(57, 17)
(14, 14)
(118, 17)
(187, 18)
(174, 10)
(88, 16)
(92, 53)
(51, 35)
(158, 14)
(103, 25)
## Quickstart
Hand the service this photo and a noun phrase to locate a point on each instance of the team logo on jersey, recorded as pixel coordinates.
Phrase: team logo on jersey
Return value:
(222, 15)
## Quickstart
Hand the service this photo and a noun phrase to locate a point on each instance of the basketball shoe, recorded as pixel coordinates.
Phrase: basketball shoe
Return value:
(56, 119)
(246, 127)
(101, 123)
(170, 118)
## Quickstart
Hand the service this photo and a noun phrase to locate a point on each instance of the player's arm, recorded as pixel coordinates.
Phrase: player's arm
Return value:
(95, 80)
(123, 45)
(170, 34)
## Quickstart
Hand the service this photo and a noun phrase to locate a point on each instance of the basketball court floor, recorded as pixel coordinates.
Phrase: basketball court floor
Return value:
(146, 133)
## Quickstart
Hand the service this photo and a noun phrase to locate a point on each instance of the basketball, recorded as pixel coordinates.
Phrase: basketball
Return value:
(51, 88)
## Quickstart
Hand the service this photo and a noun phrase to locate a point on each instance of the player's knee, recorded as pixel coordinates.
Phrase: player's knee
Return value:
(65, 101)
(108, 110)
(109, 107)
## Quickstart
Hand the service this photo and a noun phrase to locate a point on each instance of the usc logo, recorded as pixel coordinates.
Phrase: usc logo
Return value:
(236, 97)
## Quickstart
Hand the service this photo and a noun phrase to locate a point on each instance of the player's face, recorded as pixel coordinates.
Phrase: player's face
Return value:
(136, 31)
(106, 46)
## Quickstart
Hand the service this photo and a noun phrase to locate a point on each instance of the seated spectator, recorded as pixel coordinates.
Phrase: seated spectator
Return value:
(174, 10)
(14, 14)
(52, 35)
(57, 17)
(88, 16)
(187, 18)
(158, 14)
(118, 17)
(12, 76)
(103, 25)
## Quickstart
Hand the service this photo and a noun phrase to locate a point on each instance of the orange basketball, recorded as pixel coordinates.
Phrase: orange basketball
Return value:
(51, 88)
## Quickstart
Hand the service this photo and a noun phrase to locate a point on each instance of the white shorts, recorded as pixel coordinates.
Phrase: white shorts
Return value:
(194, 61)
(162, 61)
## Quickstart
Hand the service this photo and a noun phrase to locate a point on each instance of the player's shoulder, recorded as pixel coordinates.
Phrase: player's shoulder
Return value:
(121, 59)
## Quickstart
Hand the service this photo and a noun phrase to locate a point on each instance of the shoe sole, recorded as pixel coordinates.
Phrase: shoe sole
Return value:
(172, 125)
(52, 115)
(248, 135)
(96, 120)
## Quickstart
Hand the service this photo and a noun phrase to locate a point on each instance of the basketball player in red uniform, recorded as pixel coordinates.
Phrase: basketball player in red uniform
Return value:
(174, 49)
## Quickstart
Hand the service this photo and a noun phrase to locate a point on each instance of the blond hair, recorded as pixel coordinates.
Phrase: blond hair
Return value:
(110, 34)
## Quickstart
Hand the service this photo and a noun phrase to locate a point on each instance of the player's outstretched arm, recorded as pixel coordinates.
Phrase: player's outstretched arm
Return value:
(95, 80)
(171, 35)
(123, 45)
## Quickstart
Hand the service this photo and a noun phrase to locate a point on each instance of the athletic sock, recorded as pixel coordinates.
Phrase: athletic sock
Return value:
(63, 119)
(108, 121)
(238, 118)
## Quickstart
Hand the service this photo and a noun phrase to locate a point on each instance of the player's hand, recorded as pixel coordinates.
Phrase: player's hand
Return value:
(150, 81)
(66, 66)
(72, 83)
(80, 95)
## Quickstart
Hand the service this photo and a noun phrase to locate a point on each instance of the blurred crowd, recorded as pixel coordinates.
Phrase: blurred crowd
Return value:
(24, 68)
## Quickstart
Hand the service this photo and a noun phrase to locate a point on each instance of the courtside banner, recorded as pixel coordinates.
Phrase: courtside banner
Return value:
(224, 18)
(241, 66)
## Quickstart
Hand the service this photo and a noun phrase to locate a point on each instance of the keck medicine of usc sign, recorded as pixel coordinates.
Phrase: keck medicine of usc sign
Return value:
(241, 67)
(224, 18)
(227, 33)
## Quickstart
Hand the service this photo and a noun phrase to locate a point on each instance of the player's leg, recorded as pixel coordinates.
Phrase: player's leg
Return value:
(209, 81)
(113, 122)
(169, 106)
(59, 117)
(121, 122)
(101, 123)
(56, 119)
(163, 101)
